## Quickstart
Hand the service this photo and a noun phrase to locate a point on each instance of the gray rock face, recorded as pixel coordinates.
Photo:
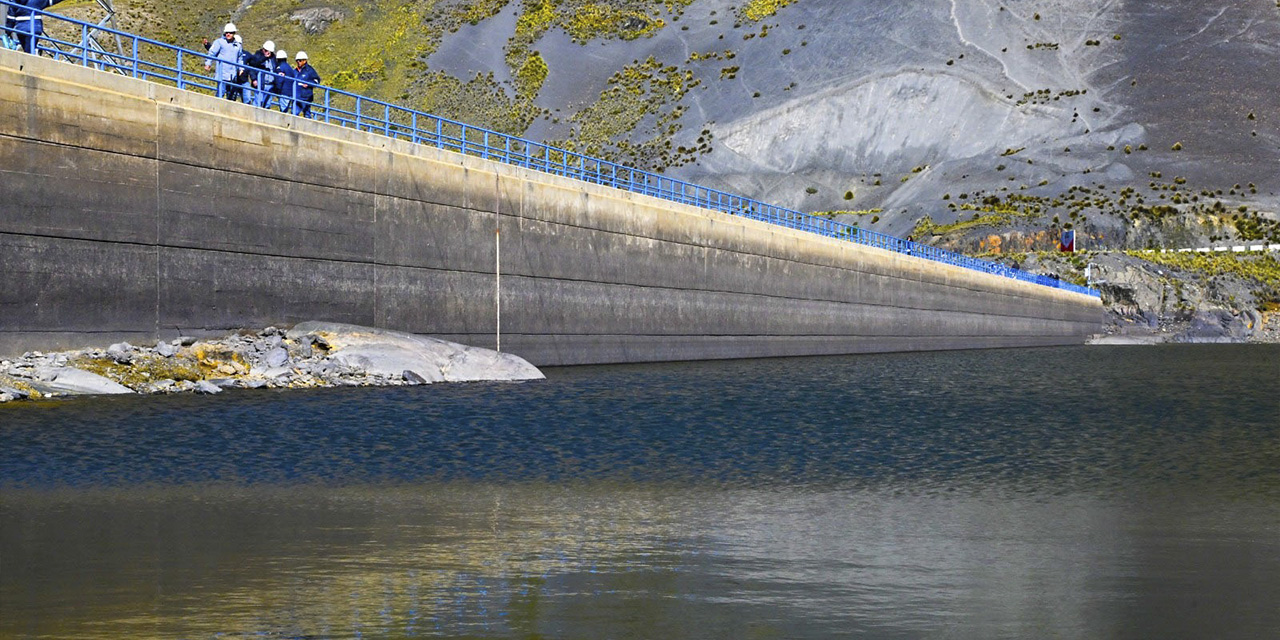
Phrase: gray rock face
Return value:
(72, 381)
(276, 357)
(13, 393)
(389, 360)
(208, 388)
(121, 352)
(391, 353)
(1216, 326)
(316, 20)
(1149, 303)
(313, 355)
(839, 93)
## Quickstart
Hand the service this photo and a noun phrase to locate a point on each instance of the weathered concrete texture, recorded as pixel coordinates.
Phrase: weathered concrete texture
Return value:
(183, 214)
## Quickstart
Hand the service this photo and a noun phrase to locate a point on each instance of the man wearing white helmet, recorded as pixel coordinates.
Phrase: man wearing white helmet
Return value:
(227, 52)
(263, 63)
(282, 84)
(306, 80)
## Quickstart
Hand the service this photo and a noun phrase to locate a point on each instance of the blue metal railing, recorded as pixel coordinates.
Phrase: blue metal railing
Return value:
(184, 69)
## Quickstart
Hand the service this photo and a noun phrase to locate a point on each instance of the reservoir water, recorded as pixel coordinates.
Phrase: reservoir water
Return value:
(1091, 492)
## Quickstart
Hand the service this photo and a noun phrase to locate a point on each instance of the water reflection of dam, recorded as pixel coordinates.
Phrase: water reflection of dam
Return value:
(135, 210)
(518, 561)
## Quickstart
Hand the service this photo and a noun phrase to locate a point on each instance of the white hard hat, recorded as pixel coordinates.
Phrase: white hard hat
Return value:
(282, 54)
(301, 55)
(230, 27)
(269, 45)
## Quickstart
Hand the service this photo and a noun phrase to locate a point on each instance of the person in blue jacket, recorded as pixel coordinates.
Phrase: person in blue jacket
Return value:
(228, 51)
(282, 86)
(306, 80)
(28, 23)
(261, 75)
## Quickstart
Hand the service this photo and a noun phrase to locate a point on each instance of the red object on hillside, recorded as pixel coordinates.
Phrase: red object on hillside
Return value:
(1068, 242)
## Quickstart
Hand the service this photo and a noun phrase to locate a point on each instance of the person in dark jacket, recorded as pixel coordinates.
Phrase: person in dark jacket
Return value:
(306, 80)
(263, 63)
(282, 85)
(28, 22)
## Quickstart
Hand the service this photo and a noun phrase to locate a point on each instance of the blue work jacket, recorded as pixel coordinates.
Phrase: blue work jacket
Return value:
(307, 75)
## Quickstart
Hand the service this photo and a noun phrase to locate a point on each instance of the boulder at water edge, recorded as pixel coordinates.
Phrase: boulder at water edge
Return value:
(393, 353)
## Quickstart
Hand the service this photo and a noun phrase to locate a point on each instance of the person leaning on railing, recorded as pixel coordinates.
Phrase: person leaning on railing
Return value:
(306, 80)
(282, 86)
(262, 74)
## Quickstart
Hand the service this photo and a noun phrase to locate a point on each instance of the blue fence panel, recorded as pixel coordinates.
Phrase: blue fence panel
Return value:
(166, 64)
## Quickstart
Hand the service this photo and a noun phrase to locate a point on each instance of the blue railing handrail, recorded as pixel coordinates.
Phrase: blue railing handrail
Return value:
(353, 110)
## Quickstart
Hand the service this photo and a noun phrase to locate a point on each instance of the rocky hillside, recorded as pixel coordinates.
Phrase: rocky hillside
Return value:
(984, 125)
(1173, 297)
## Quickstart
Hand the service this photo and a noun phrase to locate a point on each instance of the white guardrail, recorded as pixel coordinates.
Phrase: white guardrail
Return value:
(1260, 248)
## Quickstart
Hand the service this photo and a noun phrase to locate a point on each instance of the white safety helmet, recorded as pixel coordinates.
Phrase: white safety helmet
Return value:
(301, 55)
(230, 27)
(282, 55)
(269, 45)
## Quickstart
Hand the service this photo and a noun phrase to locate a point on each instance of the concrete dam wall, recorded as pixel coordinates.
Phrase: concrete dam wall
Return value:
(131, 210)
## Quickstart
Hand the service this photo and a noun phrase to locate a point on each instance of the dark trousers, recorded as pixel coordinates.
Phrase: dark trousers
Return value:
(28, 33)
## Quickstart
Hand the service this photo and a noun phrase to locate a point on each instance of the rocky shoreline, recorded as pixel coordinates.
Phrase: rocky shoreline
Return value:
(309, 355)
(1158, 298)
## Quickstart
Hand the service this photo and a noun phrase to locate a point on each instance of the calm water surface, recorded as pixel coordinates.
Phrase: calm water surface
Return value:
(1102, 492)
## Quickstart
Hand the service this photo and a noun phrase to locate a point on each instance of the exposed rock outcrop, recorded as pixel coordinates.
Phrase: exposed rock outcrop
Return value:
(392, 353)
(1176, 297)
(315, 20)
(312, 354)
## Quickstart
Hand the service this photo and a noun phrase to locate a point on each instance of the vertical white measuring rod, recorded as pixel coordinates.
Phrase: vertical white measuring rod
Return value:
(497, 288)
(497, 262)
